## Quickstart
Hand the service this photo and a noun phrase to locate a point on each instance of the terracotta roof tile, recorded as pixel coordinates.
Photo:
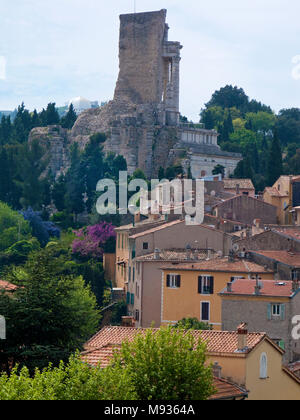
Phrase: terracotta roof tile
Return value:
(274, 192)
(269, 288)
(156, 229)
(101, 356)
(5, 285)
(217, 341)
(221, 265)
(293, 233)
(227, 390)
(245, 184)
(175, 255)
(285, 257)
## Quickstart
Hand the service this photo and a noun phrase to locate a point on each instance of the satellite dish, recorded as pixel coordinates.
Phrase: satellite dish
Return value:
(236, 247)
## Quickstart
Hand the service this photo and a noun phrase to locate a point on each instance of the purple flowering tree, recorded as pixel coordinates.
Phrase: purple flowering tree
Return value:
(90, 241)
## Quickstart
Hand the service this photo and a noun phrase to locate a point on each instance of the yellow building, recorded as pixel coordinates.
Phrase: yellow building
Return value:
(248, 360)
(191, 289)
(280, 196)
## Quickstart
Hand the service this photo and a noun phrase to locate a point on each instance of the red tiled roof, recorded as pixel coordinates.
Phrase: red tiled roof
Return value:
(285, 257)
(274, 192)
(102, 356)
(227, 391)
(5, 285)
(176, 255)
(217, 341)
(269, 288)
(221, 265)
(289, 232)
(244, 184)
(156, 229)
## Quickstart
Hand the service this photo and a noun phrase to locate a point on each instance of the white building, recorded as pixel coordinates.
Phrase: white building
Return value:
(81, 104)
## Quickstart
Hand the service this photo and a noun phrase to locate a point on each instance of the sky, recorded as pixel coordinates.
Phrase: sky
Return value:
(52, 51)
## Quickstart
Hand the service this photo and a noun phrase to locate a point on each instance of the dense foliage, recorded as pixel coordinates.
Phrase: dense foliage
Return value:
(268, 142)
(49, 316)
(165, 365)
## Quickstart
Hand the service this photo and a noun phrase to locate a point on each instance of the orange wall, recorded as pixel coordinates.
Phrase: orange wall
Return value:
(185, 301)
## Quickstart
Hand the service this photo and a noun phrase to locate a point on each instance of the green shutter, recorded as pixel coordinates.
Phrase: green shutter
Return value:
(132, 299)
(269, 311)
(282, 312)
(128, 298)
(282, 345)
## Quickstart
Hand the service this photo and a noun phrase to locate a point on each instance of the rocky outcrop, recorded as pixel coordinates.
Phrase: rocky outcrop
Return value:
(55, 141)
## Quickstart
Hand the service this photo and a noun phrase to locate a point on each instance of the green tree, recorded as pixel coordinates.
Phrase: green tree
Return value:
(49, 317)
(13, 227)
(166, 365)
(73, 381)
(52, 115)
(275, 166)
(69, 119)
(219, 169)
(192, 324)
(31, 167)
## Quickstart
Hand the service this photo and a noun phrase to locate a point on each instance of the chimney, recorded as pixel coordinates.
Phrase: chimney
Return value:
(231, 256)
(137, 218)
(209, 254)
(242, 333)
(257, 223)
(295, 285)
(258, 286)
(229, 287)
(188, 252)
(217, 370)
(128, 321)
(157, 254)
(237, 189)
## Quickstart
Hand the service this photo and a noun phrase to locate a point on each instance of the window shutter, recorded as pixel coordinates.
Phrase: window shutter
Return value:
(168, 281)
(128, 298)
(282, 344)
(282, 312)
(269, 311)
(178, 281)
(200, 284)
(211, 285)
(132, 299)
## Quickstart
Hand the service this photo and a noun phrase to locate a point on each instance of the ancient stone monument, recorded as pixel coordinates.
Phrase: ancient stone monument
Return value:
(142, 121)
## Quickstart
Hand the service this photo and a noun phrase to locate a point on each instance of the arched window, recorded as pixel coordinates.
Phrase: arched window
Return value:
(263, 366)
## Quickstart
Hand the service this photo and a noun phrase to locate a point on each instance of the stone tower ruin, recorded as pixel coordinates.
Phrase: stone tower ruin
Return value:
(149, 65)
(142, 122)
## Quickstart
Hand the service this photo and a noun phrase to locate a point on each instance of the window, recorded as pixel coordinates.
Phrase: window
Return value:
(132, 299)
(280, 343)
(137, 315)
(145, 245)
(263, 374)
(295, 275)
(129, 274)
(133, 274)
(137, 290)
(276, 311)
(173, 281)
(205, 311)
(206, 285)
